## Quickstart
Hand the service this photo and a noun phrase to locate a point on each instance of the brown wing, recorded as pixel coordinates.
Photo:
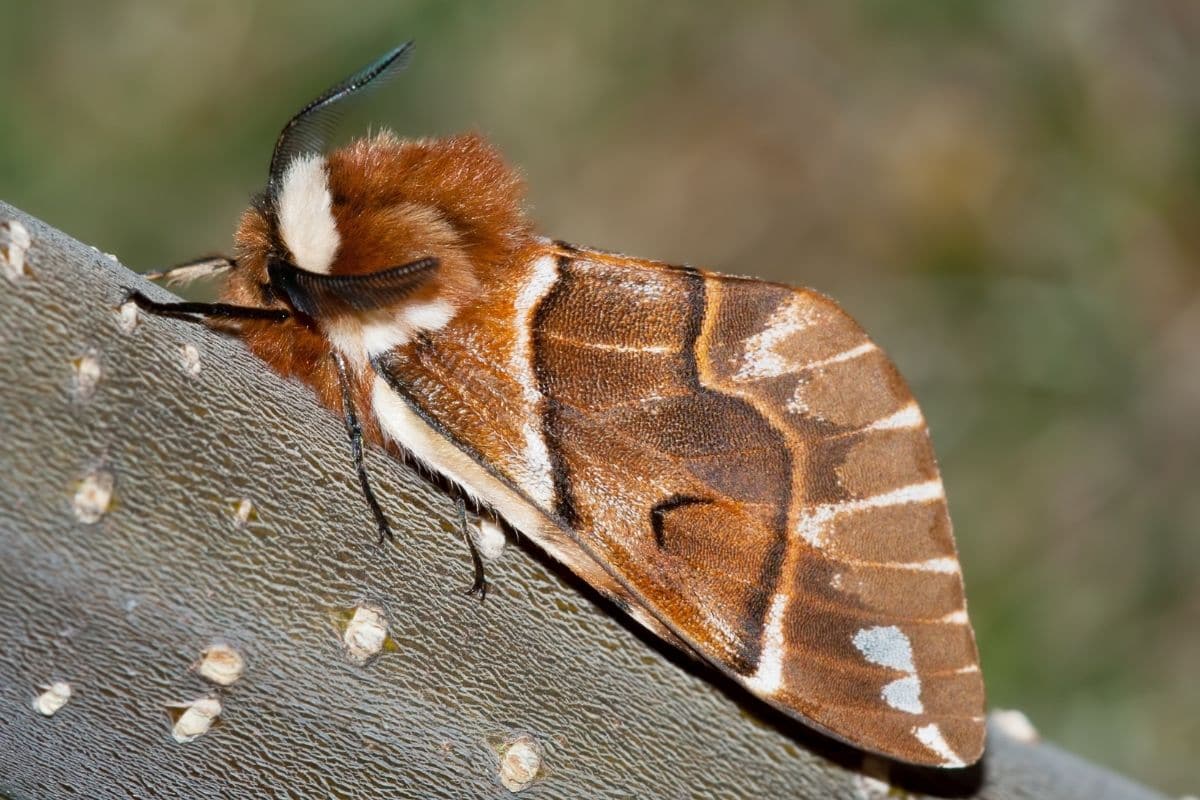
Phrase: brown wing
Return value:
(750, 470)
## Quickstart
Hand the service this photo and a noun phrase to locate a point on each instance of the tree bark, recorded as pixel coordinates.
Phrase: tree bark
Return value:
(120, 608)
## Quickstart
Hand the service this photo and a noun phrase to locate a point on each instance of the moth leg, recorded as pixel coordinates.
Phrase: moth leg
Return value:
(354, 431)
(199, 312)
(479, 586)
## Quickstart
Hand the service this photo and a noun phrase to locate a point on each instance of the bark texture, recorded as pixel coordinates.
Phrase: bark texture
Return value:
(121, 607)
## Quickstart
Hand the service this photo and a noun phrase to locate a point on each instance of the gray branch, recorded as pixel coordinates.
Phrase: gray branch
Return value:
(121, 607)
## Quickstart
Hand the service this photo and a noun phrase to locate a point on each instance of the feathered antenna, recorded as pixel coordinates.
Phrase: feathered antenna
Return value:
(190, 271)
(309, 130)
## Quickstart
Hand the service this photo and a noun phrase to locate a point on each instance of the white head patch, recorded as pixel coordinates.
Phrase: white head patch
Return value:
(305, 210)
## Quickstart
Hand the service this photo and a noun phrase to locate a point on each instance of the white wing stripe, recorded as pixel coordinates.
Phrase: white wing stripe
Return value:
(811, 525)
(904, 419)
(768, 677)
(537, 458)
(853, 353)
(931, 736)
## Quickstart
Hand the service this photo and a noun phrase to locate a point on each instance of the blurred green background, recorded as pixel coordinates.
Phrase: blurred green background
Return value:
(1007, 194)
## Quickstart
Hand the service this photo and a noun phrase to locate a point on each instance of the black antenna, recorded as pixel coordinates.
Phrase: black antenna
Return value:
(308, 131)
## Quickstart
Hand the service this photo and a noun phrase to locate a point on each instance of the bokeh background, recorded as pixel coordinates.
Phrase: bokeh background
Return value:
(1007, 194)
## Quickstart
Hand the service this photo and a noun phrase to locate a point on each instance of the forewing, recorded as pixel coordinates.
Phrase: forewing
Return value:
(748, 466)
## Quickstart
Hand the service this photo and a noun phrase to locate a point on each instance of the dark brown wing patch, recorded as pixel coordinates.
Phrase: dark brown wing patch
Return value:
(669, 508)
(617, 350)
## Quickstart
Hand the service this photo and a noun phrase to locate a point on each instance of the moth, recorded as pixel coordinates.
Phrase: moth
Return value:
(733, 462)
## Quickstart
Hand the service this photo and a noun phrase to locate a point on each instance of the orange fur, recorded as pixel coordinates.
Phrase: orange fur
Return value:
(394, 201)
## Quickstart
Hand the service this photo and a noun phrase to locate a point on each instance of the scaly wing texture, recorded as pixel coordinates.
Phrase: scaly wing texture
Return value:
(748, 466)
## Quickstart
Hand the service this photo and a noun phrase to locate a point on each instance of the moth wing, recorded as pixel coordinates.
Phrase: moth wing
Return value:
(747, 468)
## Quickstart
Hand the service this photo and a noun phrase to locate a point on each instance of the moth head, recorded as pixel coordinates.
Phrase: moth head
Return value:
(379, 231)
